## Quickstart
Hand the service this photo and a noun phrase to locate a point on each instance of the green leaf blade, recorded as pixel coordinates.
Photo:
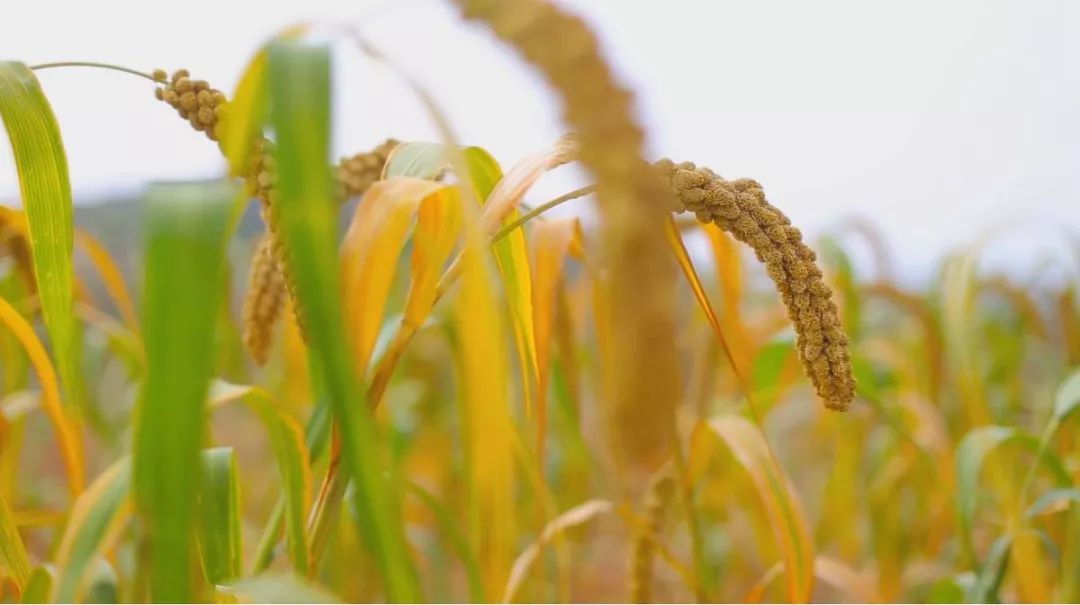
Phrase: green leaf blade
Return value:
(220, 538)
(45, 188)
(299, 86)
(186, 244)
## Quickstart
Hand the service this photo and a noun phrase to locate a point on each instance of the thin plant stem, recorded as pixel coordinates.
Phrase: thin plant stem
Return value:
(109, 66)
(542, 208)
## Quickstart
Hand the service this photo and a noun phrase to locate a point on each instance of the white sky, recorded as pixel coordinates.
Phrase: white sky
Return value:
(935, 120)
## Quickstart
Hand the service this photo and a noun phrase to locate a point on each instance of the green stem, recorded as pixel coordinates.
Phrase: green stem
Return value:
(126, 70)
(542, 208)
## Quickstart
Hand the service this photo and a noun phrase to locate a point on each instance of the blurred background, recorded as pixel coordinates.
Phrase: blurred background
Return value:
(937, 122)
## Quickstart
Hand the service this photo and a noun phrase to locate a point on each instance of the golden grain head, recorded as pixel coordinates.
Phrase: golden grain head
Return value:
(644, 371)
(355, 174)
(740, 208)
(264, 302)
(194, 100)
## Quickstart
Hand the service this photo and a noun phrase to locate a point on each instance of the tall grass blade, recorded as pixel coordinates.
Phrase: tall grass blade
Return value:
(185, 252)
(46, 195)
(299, 85)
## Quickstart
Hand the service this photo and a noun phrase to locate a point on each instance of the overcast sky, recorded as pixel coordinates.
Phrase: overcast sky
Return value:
(935, 120)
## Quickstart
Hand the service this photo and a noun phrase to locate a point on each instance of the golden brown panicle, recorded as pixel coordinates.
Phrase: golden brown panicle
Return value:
(740, 208)
(264, 302)
(643, 371)
(194, 100)
(357, 173)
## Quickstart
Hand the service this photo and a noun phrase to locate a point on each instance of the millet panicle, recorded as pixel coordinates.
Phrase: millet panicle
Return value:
(740, 208)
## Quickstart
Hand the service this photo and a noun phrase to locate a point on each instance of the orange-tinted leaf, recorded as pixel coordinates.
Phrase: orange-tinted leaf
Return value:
(67, 433)
(778, 497)
(370, 251)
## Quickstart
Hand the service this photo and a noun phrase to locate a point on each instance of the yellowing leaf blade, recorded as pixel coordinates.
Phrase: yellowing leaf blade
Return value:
(777, 496)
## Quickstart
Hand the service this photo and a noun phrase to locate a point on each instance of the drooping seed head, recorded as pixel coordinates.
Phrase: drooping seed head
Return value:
(740, 208)
(194, 100)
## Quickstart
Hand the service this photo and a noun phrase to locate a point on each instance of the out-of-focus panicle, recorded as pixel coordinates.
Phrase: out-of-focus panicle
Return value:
(643, 369)
(355, 174)
(265, 301)
(740, 208)
(657, 498)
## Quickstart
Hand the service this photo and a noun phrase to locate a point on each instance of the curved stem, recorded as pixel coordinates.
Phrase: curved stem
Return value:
(110, 66)
(542, 208)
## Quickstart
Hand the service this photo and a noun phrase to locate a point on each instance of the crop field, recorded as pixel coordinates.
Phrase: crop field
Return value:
(406, 381)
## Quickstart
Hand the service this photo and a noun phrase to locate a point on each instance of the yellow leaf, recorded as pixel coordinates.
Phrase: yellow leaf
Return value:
(687, 266)
(778, 496)
(370, 251)
(66, 431)
(551, 243)
(487, 423)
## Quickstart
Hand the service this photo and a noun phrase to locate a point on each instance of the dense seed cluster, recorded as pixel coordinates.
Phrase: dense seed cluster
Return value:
(740, 208)
(194, 100)
(357, 173)
(265, 301)
(644, 373)
(657, 498)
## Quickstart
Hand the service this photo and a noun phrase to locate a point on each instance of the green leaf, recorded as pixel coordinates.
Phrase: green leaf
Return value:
(766, 369)
(1052, 500)
(971, 453)
(95, 520)
(427, 160)
(418, 159)
(46, 195)
(103, 586)
(1068, 397)
(448, 526)
(40, 585)
(186, 245)
(988, 580)
(12, 550)
(270, 588)
(484, 171)
(287, 441)
(299, 81)
(220, 538)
